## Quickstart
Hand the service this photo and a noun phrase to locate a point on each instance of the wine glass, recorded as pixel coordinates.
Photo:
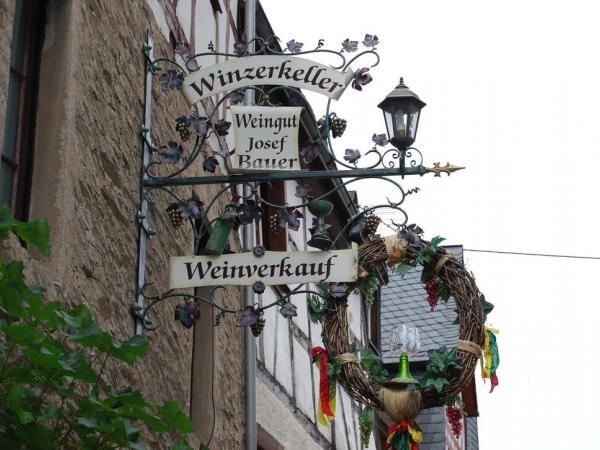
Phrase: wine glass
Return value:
(404, 341)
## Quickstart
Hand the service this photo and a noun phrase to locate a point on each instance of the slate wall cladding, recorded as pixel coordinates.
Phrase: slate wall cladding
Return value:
(86, 184)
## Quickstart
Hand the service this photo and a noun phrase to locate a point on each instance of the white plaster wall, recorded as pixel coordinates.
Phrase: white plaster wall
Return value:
(277, 419)
(303, 381)
(283, 364)
(273, 322)
(159, 17)
(355, 315)
(184, 14)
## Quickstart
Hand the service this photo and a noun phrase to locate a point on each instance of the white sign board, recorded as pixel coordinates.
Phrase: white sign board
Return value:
(281, 70)
(243, 269)
(266, 138)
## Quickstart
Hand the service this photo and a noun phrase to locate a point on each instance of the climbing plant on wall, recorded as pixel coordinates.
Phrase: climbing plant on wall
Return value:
(53, 391)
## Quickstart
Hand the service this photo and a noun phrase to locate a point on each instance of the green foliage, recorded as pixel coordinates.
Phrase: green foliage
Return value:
(323, 287)
(403, 269)
(368, 287)
(34, 233)
(487, 306)
(365, 424)
(373, 366)
(454, 399)
(316, 308)
(427, 252)
(334, 371)
(52, 360)
(443, 291)
(424, 256)
(441, 364)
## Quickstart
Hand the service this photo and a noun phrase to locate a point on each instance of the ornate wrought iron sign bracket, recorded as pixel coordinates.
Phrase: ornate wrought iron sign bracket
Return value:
(202, 135)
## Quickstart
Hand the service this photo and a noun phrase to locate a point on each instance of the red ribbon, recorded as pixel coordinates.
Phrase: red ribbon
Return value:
(321, 354)
(403, 425)
(495, 381)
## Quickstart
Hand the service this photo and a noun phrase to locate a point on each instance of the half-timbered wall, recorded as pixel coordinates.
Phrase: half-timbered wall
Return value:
(288, 383)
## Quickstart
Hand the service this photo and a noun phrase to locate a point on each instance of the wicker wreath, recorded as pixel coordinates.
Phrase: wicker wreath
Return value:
(462, 288)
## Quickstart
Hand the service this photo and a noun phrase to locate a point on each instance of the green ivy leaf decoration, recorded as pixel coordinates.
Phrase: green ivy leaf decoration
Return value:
(487, 306)
(334, 371)
(435, 242)
(441, 364)
(437, 383)
(316, 308)
(443, 292)
(373, 366)
(403, 269)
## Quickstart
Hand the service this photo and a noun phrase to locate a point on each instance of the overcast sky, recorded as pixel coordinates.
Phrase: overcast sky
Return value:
(512, 91)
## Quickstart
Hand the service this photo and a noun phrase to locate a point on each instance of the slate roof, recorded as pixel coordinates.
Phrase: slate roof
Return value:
(471, 434)
(404, 301)
(432, 422)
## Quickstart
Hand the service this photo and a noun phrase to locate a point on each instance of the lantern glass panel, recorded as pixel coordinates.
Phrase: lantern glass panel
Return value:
(401, 121)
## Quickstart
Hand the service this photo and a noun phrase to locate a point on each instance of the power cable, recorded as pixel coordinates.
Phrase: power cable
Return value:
(548, 255)
(500, 252)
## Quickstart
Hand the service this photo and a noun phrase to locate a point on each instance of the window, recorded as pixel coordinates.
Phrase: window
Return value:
(16, 165)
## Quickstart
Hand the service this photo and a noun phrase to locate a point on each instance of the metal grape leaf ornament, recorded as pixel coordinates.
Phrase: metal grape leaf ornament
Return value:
(171, 79)
(192, 207)
(411, 235)
(370, 40)
(380, 139)
(303, 190)
(210, 164)
(362, 77)
(349, 46)
(247, 316)
(239, 48)
(170, 153)
(309, 152)
(236, 97)
(290, 217)
(183, 50)
(187, 313)
(248, 212)
(352, 155)
(222, 127)
(288, 310)
(294, 47)
(198, 125)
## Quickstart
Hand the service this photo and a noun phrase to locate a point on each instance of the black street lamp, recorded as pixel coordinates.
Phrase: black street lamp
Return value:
(401, 110)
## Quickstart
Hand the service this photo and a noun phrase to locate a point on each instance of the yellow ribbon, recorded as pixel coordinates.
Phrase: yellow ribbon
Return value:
(486, 366)
(415, 435)
(322, 418)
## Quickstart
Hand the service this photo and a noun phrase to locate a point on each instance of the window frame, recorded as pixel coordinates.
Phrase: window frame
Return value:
(28, 39)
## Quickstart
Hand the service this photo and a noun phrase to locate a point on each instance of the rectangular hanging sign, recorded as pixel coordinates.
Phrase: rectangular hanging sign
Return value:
(280, 70)
(266, 138)
(243, 269)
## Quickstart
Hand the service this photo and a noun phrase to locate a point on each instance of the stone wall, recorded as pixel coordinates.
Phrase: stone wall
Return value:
(86, 172)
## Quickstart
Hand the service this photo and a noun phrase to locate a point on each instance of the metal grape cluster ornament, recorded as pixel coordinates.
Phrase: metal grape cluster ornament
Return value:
(269, 147)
